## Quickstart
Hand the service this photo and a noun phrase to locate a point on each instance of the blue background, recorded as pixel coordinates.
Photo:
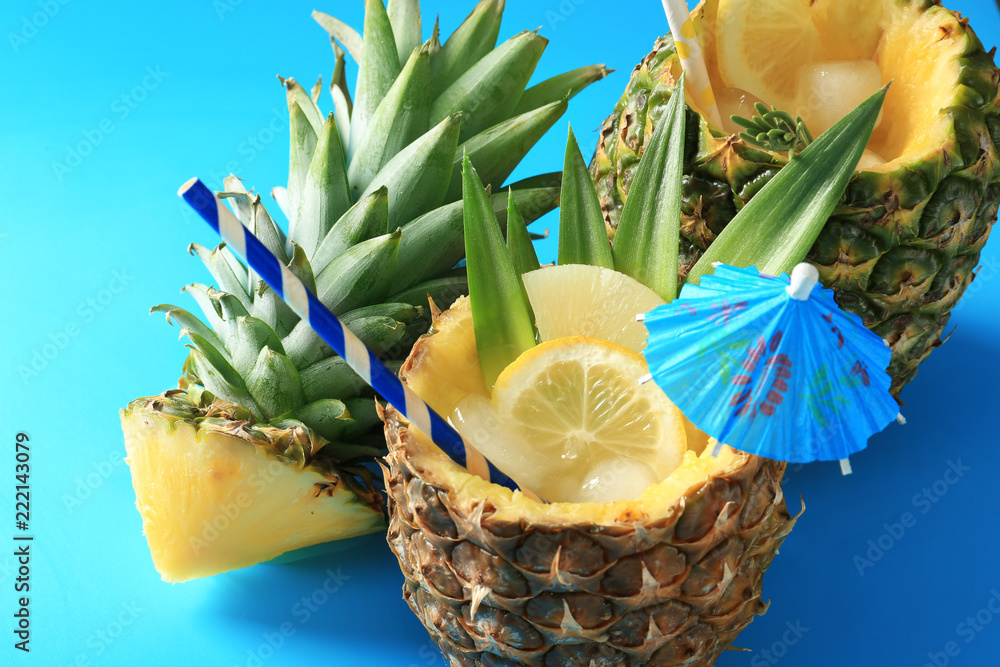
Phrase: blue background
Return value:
(86, 251)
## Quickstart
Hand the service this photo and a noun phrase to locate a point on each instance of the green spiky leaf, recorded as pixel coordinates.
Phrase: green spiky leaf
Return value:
(417, 177)
(443, 291)
(272, 309)
(218, 361)
(220, 308)
(488, 92)
(222, 270)
(249, 336)
(343, 33)
(361, 275)
(476, 37)
(583, 238)
(329, 417)
(377, 69)
(301, 268)
(365, 220)
(395, 310)
(563, 86)
(248, 209)
(209, 307)
(364, 415)
(239, 200)
(326, 194)
(191, 322)
(400, 119)
(331, 377)
(383, 327)
(648, 233)
(500, 313)
(502, 147)
(296, 94)
(304, 346)
(304, 137)
(381, 335)
(435, 242)
(519, 247)
(275, 384)
(341, 96)
(214, 380)
(404, 15)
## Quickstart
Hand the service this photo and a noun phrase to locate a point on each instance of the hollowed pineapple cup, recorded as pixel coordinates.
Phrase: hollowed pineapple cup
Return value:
(498, 579)
(901, 248)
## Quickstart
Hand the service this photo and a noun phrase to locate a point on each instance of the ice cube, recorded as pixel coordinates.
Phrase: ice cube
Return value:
(828, 91)
(869, 159)
(735, 102)
(616, 478)
(476, 420)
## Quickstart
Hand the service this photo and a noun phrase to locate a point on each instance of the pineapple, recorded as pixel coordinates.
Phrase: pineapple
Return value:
(497, 578)
(653, 543)
(902, 246)
(659, 563)
(215, 479)
(262, 447)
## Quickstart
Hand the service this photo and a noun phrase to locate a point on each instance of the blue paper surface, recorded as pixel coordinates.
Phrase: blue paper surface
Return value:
(109, 106)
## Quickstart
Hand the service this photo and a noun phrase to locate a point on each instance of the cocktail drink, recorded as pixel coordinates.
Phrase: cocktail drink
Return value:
(668, 573)
(629, 541)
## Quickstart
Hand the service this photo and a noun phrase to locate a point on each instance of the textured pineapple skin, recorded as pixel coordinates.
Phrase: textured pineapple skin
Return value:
(900, 249)
(670, 589)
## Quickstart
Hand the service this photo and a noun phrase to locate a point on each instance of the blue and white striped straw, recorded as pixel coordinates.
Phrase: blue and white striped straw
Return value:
(333, 331)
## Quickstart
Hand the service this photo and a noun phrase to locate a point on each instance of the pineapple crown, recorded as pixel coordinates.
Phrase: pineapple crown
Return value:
(372, 200)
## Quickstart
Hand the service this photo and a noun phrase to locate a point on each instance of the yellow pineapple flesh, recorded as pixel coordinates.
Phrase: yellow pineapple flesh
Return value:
(206, 488)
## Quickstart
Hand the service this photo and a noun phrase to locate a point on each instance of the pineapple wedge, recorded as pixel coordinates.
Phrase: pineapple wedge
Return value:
(200, 474)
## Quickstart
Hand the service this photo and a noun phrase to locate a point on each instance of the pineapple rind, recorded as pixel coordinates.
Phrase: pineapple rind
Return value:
(207, 483)
(496, 583)
(900, 249)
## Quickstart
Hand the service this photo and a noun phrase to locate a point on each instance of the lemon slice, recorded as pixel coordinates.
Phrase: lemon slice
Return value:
(577, 404)
(850, 30)
(762, 43)
(579, 300)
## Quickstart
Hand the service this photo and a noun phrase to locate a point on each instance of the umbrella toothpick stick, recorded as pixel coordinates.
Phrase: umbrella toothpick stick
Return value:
(362, 360)
(804, 278)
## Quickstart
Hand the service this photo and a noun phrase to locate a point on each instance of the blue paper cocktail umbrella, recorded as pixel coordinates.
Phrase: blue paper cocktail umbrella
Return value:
(771, 365)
